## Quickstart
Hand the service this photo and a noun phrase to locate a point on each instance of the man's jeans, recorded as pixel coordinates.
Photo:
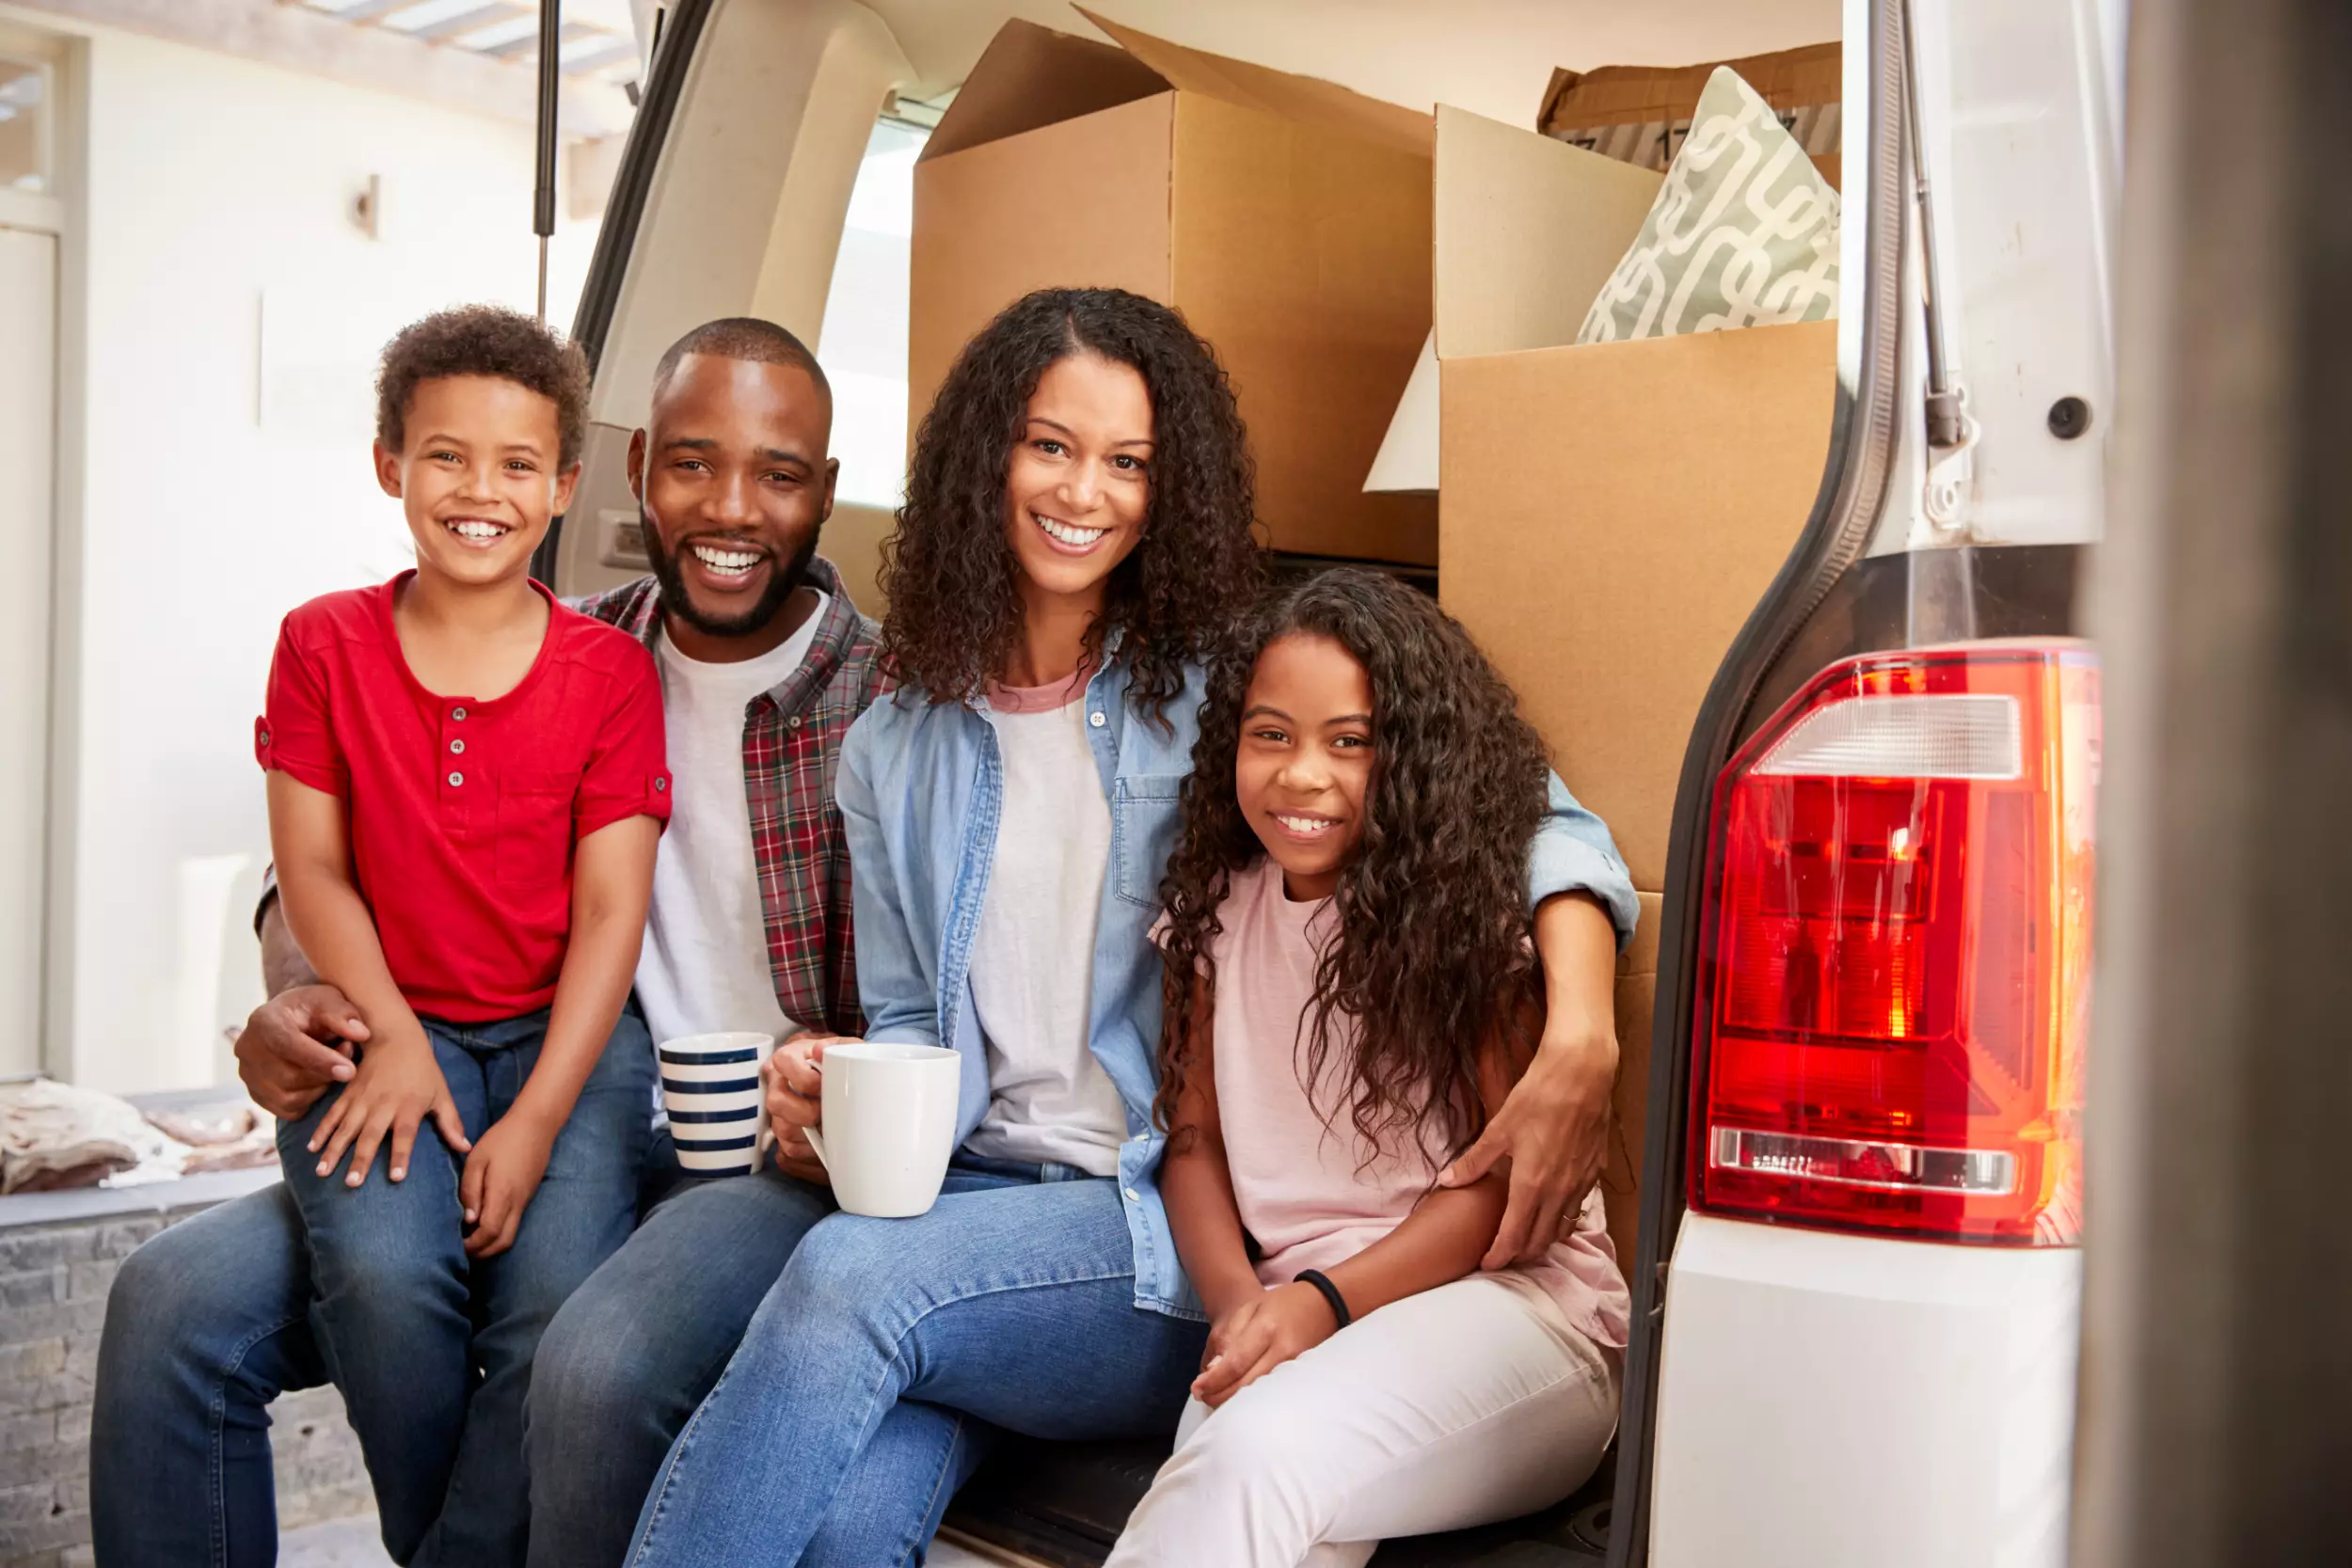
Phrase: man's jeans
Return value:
(869, 1377)
(211, 1320)
(637, 1347)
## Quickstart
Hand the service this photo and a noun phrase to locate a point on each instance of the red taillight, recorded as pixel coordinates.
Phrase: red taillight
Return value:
(1894, 961)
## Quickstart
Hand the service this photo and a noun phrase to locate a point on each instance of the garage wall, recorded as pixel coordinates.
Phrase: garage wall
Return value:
(231, 305)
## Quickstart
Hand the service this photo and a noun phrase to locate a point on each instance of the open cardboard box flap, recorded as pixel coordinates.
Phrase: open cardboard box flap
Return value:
(1633, 111)
(1527, 231)
(1638, 94)
(1031, 77)
(1308, 99)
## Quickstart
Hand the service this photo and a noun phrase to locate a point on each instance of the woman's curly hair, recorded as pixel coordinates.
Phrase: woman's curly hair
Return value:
(949, 572)
(1433, 964)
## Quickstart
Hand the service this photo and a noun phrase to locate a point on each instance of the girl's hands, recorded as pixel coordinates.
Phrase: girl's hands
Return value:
(397, 1086)
(501, 1174)
(1258, 1336)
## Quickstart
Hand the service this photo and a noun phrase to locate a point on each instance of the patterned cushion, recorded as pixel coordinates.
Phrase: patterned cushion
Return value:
(1743, 232)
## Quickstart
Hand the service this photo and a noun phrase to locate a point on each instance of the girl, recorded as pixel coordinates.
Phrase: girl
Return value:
(1075, 538)
(1350, 993)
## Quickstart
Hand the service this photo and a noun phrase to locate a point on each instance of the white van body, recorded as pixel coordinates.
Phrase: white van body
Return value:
(1822, 1400)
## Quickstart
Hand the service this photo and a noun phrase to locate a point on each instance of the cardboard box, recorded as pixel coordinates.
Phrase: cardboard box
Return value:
(1608, 515)
(1639, 114)
(1287, 218)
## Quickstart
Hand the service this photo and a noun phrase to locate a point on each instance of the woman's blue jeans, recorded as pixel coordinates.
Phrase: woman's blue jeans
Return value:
(869, 1377)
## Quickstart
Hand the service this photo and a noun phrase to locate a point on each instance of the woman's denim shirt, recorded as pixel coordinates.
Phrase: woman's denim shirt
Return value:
(920, 789)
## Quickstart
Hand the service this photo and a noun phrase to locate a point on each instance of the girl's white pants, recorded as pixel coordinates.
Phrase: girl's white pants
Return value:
(1468, 1403)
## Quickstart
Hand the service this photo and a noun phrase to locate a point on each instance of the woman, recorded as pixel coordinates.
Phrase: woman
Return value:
(1076, 536)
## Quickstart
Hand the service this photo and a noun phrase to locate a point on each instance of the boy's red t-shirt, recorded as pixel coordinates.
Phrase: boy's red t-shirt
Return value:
(462, 813)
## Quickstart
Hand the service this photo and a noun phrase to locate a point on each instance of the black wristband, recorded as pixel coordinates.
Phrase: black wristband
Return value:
(1330, 1294)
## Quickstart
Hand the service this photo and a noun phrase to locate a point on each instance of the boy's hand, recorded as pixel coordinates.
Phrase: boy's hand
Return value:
(501, 1174)
(397, 1087)
(1258, 1337)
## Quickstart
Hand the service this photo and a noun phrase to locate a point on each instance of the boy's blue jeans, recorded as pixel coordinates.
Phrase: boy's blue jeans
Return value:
(207, 1324)
(431, 1350)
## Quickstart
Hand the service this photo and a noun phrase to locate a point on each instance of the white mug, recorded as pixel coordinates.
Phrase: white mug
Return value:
(710, 1086)
(889, 1125)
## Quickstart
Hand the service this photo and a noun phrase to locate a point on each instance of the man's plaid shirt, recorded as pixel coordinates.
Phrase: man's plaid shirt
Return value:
(791, 748)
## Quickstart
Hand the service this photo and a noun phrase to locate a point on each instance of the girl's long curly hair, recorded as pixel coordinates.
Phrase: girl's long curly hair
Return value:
(949, 572)
(1432, 964)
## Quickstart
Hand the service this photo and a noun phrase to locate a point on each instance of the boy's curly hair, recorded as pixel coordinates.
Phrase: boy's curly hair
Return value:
(484, 340)
(1432, 963)
(948, 572)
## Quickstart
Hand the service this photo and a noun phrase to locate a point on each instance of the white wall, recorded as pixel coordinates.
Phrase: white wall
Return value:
(209, 508)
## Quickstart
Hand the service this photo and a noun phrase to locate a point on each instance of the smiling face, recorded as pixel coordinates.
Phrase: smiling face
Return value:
(1303, 771)
(477, 476)
(733, 478)
(1079, 482)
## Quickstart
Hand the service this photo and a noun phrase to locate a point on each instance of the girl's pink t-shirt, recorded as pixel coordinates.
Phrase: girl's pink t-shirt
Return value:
(1303, 1188)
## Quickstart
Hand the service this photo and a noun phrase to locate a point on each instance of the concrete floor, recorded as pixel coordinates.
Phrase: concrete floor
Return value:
(352, 1543)
(341, 1544)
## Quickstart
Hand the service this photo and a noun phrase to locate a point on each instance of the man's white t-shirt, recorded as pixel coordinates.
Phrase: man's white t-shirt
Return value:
(1033, 956)
(703, 968)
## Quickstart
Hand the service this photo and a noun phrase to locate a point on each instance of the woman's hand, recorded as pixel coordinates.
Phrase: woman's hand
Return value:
(795, 1075)
(1258, 1337)
(793, 1080)
(1553, 1131)
(501, 1174)
(796, 1081)
(397, 1087)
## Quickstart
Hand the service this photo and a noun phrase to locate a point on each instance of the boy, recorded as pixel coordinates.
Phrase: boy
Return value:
(465, 788)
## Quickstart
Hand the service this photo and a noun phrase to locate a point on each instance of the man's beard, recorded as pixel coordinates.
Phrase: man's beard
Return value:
(781, 581)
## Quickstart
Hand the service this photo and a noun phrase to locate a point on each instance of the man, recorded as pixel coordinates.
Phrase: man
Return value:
(764, 663)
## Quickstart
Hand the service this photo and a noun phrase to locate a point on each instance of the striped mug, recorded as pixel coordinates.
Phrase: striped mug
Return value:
(711, 1085)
